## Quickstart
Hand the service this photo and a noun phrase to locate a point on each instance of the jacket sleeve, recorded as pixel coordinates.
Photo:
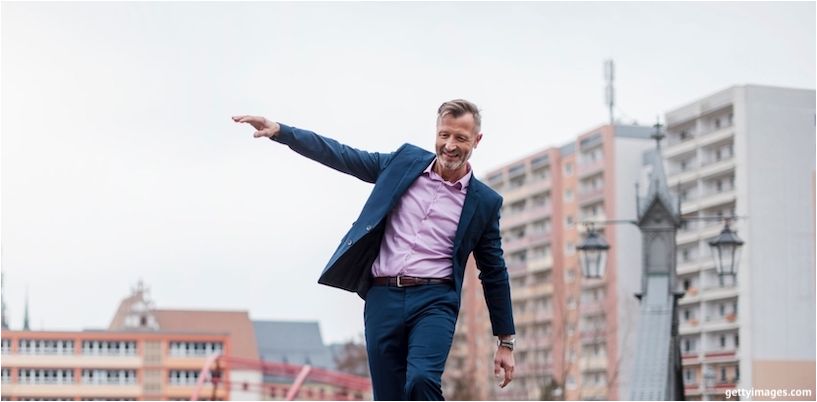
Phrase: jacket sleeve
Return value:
(364, 165)
(494, 276)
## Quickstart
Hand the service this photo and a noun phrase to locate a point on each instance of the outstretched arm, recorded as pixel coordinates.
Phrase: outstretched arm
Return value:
(364, 165)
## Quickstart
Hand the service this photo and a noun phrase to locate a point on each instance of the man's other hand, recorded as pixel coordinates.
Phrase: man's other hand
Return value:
(263, 127)
(503, 360)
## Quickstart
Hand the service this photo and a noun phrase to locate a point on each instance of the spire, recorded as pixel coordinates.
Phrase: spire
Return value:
(658, 188)
(25, 317)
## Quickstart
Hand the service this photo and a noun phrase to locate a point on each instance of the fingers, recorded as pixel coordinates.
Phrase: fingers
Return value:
(248, 119)
(497, 371)
(508, 376)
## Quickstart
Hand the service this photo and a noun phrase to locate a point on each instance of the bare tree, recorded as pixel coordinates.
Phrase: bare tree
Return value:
(352, 358)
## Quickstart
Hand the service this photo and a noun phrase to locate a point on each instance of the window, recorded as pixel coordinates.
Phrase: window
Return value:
(685, 135)
(717, 124)
(541, 226)
(570, 248)
(541, 174)
(568, 195)
(569, 221)
(541, 199)
(737, 339)
(687, 284)
(568, 169)
(723, 341)
(723, 374)
(689, 376)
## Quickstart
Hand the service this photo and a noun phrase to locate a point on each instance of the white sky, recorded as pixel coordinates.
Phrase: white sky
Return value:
(120, 161)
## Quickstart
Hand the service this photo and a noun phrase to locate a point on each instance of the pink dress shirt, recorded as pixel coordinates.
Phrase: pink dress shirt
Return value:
(419, 236)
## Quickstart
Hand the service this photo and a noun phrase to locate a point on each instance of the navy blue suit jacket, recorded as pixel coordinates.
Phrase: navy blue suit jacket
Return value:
(392, 174)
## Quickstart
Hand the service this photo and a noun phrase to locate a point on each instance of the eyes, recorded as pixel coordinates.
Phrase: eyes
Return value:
(458, 137)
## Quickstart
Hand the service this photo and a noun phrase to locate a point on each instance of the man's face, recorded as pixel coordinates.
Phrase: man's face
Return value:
(456, 139)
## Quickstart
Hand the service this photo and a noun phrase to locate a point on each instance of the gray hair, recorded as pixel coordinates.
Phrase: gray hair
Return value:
(458, 107)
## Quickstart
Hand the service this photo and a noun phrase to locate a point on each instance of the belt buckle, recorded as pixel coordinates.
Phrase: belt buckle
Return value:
(399, 284)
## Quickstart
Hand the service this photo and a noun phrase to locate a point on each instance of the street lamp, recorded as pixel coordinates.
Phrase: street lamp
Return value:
(593, 254)
(726, 251)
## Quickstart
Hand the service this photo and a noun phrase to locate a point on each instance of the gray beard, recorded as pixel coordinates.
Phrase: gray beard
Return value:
(453, 165)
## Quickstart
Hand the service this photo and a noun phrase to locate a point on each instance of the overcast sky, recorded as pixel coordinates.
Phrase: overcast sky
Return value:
(120, 161)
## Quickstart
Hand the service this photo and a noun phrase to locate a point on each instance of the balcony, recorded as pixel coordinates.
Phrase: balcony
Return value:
(543, 315)
(526, 190)
(718, 292)
(589, 168)
(593, 363)
(674, 149)
(677, 148)
(590, 195)
(716, 136)
(59, 391)
(526, 216)
(682, 178)
(591, 308)
(593, 335)
(717, 198)
(72, 361)
(689, 327)
(513, 245)
(541, 289)
(692, 389)
(540, 237)
(721, 356)
(687, 267)
(690, 358)
(719, 324)
(715, 168)
(540, 264)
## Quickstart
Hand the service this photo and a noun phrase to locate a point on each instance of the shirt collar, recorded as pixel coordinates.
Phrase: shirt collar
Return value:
(461, 184)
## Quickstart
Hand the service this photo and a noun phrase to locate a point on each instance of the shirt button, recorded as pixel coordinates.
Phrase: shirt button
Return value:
(368, 228)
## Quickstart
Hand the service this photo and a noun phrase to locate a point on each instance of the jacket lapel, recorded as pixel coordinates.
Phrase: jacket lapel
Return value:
(468, 209)
(412, 173)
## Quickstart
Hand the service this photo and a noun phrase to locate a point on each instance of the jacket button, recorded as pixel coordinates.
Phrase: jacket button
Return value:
(348, 242)
(368, 228)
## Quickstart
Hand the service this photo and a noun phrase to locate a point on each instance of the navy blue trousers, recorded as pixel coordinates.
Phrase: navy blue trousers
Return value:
(408, 336)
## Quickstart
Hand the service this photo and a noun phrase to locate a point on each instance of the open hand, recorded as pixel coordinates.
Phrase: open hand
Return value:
(263, 127)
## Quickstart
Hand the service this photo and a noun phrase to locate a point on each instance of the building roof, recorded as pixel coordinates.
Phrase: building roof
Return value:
(293, 343)
(235, 323)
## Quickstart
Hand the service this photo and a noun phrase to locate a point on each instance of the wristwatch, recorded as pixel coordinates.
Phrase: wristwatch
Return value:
(508, 343)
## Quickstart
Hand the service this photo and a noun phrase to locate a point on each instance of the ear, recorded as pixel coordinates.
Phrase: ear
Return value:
(479, 138)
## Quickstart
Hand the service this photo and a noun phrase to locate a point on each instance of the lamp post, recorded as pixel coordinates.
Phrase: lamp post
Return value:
(657, 373)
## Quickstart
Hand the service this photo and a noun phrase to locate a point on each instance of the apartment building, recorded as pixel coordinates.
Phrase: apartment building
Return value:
(107, 365)
(572, 334)
(149, 353)
(746, 151)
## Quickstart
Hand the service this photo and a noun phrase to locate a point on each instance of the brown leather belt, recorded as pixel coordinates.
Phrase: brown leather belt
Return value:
(408, 281)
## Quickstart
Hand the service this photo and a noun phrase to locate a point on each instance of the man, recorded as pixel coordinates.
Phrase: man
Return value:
(406, 253)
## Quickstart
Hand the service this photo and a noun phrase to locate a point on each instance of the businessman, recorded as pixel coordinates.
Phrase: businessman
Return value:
(406, 254)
